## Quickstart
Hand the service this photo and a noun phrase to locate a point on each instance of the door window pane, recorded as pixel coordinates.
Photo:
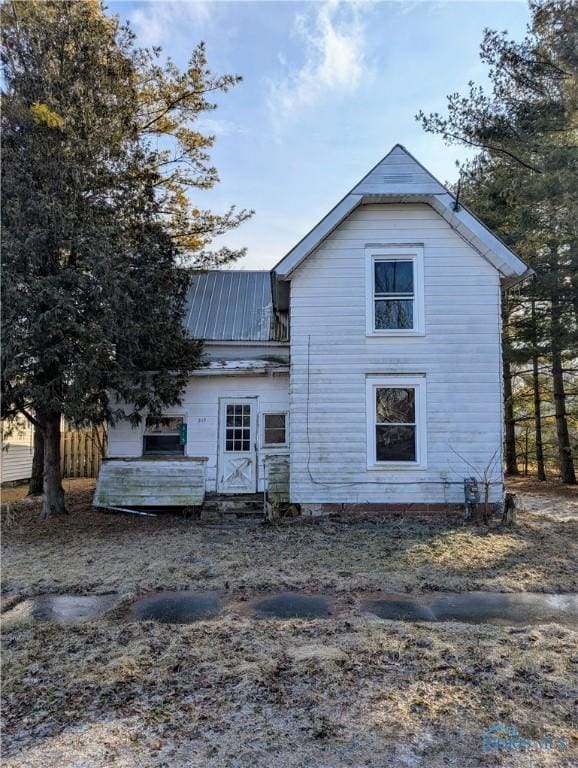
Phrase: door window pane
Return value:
(238, 428)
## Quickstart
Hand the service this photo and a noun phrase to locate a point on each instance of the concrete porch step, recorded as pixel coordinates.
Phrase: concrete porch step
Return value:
(223, 507)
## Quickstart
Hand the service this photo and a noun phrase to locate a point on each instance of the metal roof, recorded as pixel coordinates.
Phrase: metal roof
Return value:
(227, 305)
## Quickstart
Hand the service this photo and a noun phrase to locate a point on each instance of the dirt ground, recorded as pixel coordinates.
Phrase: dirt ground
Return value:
(234, 691)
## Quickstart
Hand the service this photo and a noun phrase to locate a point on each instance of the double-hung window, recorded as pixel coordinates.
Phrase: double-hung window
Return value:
(395, 291)
(396, 421)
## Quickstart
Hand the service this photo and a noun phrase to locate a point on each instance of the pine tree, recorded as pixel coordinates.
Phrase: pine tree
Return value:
(525, 179)
(96, 220)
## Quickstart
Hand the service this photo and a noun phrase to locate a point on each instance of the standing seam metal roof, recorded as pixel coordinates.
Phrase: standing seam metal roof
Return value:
(226, 305)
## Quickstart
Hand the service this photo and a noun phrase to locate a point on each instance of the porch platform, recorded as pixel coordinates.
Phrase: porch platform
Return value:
(151, 482)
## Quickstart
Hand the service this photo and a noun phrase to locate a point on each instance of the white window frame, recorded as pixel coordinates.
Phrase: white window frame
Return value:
(415, 382)
(413, 253)
(273, 446)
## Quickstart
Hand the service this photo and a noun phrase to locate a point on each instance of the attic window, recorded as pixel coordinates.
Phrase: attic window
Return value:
(394, 291)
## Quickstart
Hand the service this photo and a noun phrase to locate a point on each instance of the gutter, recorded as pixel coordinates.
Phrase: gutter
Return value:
(510, 282)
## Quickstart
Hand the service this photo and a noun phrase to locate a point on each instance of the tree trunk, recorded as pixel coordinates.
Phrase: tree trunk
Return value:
(36, 484)
(537, 400)
(510, 423)
(509, 514)
(567, 473)
(509, 420)
(538, 420)
(53, 491)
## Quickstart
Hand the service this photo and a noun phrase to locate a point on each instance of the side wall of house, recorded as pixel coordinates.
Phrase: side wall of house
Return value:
(200, 407)
(331, 358)
(17, 452)
(16, 462)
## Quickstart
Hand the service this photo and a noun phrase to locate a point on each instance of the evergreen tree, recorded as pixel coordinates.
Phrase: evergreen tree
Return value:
(96, 220)
(527, 174)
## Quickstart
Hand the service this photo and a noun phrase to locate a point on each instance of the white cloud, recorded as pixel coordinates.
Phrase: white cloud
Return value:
(334, 42)
(220, 127)
(161, 20)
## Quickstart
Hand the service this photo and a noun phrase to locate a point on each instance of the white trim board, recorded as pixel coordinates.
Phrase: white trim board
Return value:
(400, 177)
(405, 252)
(417, 382)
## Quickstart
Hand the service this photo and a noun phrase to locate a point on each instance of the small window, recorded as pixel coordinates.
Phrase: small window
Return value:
(396, 421)
(394, 291)
(238, 428)
(274, 429)
(164, 436)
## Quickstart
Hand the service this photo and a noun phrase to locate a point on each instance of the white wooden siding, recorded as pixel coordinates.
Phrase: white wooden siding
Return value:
(200, 407)
(17, 452)
(16, 462)
(398, 172)
(459, 355)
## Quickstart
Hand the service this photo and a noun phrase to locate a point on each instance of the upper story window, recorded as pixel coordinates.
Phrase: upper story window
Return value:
(394, 291)
(164, 436)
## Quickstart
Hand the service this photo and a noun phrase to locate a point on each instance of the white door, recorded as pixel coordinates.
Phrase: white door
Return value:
(237, 469)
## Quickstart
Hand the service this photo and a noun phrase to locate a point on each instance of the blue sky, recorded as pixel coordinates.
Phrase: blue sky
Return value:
(328, 89)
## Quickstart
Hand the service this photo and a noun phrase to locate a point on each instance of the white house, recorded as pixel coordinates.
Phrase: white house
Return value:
(369, 357)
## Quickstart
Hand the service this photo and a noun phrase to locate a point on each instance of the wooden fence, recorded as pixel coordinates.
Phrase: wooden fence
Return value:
(81, 452)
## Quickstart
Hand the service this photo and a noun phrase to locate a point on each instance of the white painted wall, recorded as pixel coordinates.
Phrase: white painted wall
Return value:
(459, 355)
(200, 406)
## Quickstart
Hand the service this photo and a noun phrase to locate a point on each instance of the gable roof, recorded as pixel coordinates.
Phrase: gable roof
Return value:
(398, 173)
(399, 177)
(227, 305)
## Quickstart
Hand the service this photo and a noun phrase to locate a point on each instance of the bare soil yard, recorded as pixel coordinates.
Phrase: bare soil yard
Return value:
(236, 691)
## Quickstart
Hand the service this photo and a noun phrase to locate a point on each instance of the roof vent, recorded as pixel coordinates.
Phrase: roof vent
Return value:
(398, 178)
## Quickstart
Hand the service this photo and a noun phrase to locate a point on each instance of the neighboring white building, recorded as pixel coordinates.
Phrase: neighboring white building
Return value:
(17, 451)
(370, 355)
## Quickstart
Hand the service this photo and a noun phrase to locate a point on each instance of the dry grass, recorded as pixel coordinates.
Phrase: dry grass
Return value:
(12, 494)
(280, 694)
(90, 552)
(235, 692)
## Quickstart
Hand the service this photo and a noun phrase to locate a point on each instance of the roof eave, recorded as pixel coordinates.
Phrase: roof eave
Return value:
(477, 234)
(462, 221)
(511, 282)
(323, 229)
(428, 190)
